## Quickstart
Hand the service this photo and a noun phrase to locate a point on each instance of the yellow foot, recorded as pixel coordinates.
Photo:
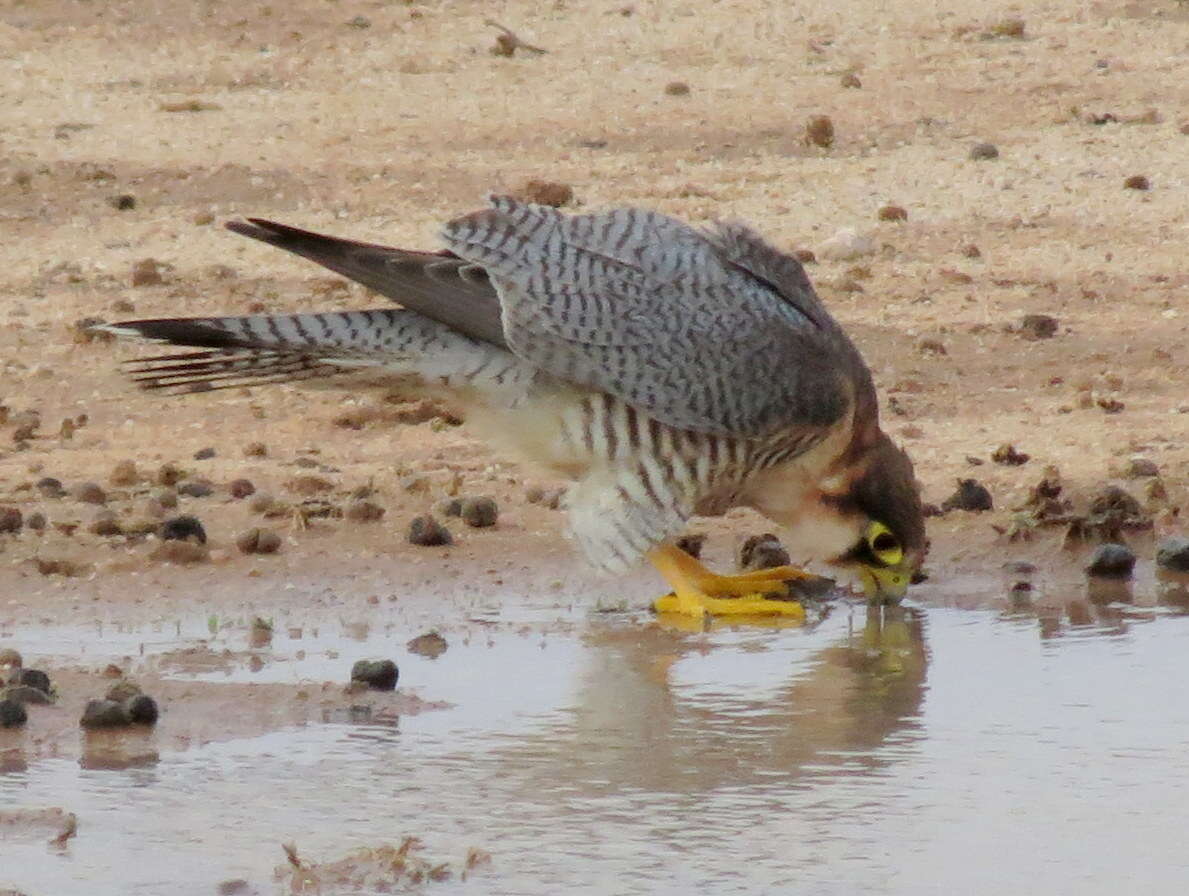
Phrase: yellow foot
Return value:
(698, 592)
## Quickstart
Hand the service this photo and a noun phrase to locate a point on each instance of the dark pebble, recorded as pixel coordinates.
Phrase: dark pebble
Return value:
(428, 532)
(11, 519)
(970, 495)
(105, 523)
(762, 552)
(379, 675)
(12, 714)
(90, 493)
(141, 710)
(123, 202)
(35, 678)
(1114, 561)
(104, 714)
(196, 488)
(364, 512)
(1007, 455)
(480, 512)
(983, 151)
(1173, 553)
(50, 487)
(204, 453)
(1137, 182)
(241, 488)
(1038, 326)
(26, 695)
(182, 528)
(258, 541)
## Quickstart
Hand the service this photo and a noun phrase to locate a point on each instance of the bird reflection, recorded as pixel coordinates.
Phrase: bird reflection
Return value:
(632, 727)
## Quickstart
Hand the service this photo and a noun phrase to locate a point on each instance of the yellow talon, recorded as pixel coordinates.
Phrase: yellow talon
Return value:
(698, 592)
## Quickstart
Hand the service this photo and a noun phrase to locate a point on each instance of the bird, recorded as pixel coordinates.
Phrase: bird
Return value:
(665, 370)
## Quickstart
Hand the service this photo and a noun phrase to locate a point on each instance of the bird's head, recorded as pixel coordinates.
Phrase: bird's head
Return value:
(881, 514)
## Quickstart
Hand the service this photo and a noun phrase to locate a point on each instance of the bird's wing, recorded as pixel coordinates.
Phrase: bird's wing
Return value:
(439, 286)
(710, 331)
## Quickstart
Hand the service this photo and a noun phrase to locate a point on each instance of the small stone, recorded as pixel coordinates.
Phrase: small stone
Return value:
(932, 347)
(258, 541)
(1172, 553)
(983, 151)
(479, 512)
(180, 552)
(379, 675)
(851, 81)
(364, 512)
(255, 449)
(692, 543)
(168, 474)
(892, 213)
(26, 695)
(122, 691)
(147, 272)
(1038, 326)
(11, 519)
(204, 453)
(196, 488)
(970, 495)
(262, 502)
(677, 88)
(546, 497)
(431, 644)
(89, 493)
(12, 714)
(761, 552)
(241, 488)
(141, 710)
(1137, 182)
(309, 485)
(1141, 468)
(35, 678)
(450, 507)
(1113, 561)
(546, 192)
(104, 714)
(428, 532)
(36, 521)
(819, 131)
(1007, 455)
(1110, 404)
(123, 202)
(166, 497)
(50, 487)
(105, 524)
(182, 528)
(124, 473)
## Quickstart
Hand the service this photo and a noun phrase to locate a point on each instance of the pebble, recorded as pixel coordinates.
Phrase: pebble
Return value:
(262, 502)
(124, 473)
(431, 644)
(761, 552)
(11, 519)
(1113, 561)
(50, 487)
(364, 512)
(1137, 182)
(546, 192)
(168, 474)
(847, 244)
(851, 81)
(166, 497)
(12, 714)
(1141, 468)
(546, 497)
(1172, 553)
(1038, 326)
(123, 202)
(677, 88)
(89, 493)
(141, 710)
(204, 453)
(1007, 455)
(181, 528)
(480, 512)
(970, 495)
(196, 488)
(241, 488)
(892, 213)
(819, 131)
(379, 675)
(255, 449)
(36, 521)
(450, 507)
(428, 532)
(982, 151)
(258, 541)
(105, 524)
(104, 714)
(27, 695)
(147, 272)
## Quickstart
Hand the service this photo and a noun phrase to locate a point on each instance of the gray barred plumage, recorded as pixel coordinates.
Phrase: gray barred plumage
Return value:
(664, 369)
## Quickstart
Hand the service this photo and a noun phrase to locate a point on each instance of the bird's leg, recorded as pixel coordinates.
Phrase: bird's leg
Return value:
(698, 592)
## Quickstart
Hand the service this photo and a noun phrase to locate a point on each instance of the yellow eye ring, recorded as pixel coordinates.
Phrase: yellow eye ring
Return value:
(884, 545)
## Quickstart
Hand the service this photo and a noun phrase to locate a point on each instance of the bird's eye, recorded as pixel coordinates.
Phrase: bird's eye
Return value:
(884, 545)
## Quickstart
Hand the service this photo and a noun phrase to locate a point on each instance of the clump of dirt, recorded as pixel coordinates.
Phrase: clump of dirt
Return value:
(430, 644)
(428, 532)
(379, 675)
(819, 131)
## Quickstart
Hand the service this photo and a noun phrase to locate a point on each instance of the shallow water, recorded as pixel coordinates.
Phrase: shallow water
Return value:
(922, 751)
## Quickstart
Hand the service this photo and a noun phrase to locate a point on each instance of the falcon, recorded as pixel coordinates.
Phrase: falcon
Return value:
(665, 370)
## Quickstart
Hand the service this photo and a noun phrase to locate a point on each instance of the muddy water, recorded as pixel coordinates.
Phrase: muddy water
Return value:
(925, 751)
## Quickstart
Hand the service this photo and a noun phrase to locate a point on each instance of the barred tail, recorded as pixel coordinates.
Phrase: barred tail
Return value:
(258, 349)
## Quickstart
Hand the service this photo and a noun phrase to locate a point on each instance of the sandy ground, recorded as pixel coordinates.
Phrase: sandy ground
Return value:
(380, 120)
